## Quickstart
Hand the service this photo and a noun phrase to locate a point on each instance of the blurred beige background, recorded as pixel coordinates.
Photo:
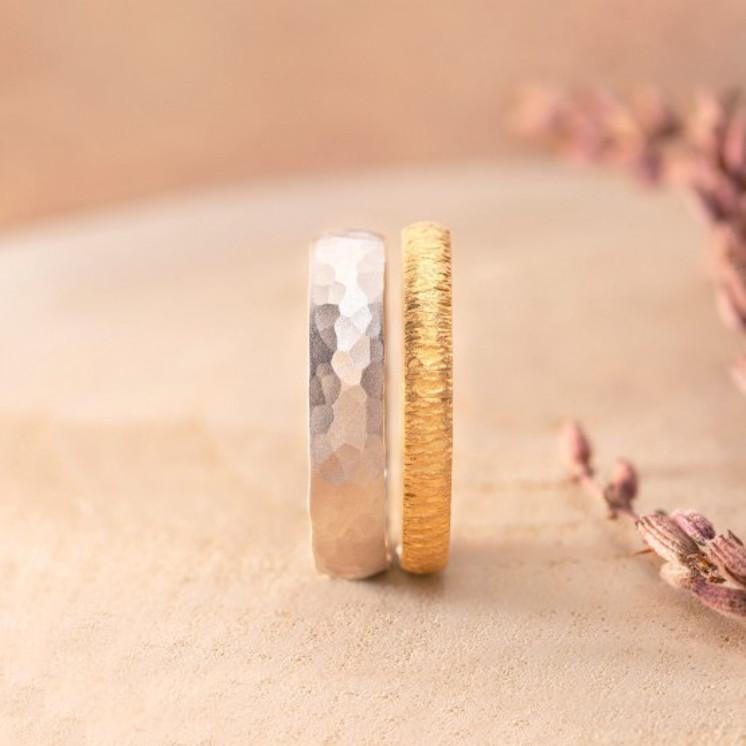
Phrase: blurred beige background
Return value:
(103, 101)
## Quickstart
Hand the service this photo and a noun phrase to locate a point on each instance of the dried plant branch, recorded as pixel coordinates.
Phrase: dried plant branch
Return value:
(703, 149)
(711, 566)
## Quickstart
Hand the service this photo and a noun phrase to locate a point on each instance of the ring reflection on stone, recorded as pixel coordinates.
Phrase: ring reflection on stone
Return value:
(347, 492)
(428, 393)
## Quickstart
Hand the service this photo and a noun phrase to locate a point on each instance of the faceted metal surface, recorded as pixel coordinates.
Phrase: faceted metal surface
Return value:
(347, 496)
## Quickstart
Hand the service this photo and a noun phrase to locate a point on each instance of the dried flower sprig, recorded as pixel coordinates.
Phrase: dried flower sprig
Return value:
(709, 565)
(703, 149)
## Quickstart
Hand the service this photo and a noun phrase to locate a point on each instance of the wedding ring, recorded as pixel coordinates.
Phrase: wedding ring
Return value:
(428, 392)
(347, 492)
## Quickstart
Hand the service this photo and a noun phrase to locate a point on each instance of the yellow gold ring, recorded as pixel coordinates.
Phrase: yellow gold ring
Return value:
(428, 397)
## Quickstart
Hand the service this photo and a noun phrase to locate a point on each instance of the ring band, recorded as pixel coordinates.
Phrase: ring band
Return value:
(428, 396)
(347, 492)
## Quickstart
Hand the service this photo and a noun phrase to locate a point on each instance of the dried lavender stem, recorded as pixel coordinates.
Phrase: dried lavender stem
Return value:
(592, 486)
(710, 566)
(704, 149)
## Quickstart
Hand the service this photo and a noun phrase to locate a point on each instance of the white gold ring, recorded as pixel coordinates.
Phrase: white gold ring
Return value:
(347, 491)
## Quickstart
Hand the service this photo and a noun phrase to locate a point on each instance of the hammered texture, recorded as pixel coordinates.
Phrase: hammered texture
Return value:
(347, 496)
(428, 394)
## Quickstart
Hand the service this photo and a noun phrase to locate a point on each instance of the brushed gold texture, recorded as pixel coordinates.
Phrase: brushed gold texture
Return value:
(428, 398)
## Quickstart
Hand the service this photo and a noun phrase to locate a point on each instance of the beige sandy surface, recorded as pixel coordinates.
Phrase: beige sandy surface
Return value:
(155, 578)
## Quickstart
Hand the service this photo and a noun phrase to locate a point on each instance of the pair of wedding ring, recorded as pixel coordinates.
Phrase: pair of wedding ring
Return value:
(348, 495)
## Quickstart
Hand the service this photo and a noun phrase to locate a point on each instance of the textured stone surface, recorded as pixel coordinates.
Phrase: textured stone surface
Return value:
(346, 404)
(156, 582)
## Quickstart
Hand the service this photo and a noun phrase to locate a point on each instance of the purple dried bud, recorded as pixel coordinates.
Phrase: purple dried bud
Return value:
(703, 567)
(713, 111)
(734, 146)
(647, 165)
(738, 374)
(622, 488)
(677, 575)
(728, 311)
(576, 449)
(715, 188)
(694, 525)
(664, 536)
(625, 479)
(655, 117)
(728, 267)
(707, 203)
(730, 601)
(729, 554)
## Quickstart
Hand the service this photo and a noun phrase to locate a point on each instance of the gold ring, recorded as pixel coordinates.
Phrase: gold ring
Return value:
(428, 398)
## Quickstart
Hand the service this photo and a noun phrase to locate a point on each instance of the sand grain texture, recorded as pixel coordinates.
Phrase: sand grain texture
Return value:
(156, 584)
